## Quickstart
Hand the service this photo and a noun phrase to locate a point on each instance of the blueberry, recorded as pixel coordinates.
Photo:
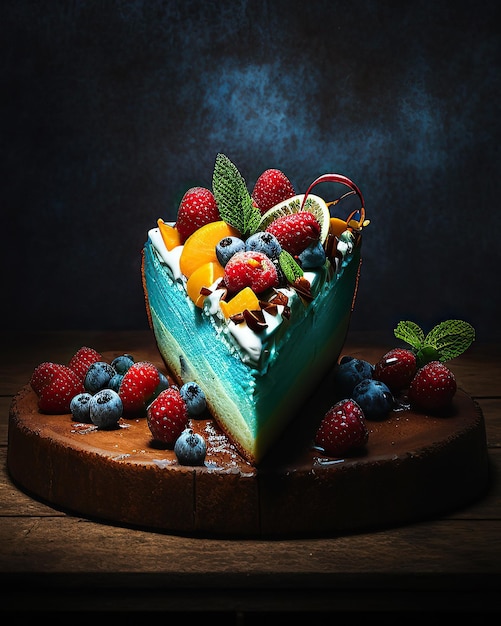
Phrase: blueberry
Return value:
(374, 398)
(80, 407)
(115, 382)
(106, 409)
(194, 397)
(312, 256)
(348, 373)
(190, 448)
(98, 376)
(122, 363)
(264, 242)
(227, 247)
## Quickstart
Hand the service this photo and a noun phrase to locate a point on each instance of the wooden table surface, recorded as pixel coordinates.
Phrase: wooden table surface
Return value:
(52, 560)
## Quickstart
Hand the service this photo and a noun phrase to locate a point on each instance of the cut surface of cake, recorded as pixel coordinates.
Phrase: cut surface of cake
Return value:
(254, 304)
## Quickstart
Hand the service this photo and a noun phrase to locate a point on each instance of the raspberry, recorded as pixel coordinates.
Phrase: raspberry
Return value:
(343, 429)
(83, 359)
(167, 416)
(295, 232)
(55, 386)
(271, 187)
(198, 207)
(433, 387)
(138, 385)
(250, 269)
(396, 368)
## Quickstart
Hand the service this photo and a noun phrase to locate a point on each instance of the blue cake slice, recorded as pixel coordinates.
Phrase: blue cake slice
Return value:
(256, 368)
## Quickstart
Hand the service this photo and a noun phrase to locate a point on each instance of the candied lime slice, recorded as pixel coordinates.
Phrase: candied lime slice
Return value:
(313, 204)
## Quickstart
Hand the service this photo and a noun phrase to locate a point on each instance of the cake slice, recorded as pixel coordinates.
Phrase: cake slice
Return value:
(253, 304)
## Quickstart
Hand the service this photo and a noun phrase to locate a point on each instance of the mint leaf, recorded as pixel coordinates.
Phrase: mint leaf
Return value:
(291, 269)
(410, 332)
(232, 197)
(450, 338)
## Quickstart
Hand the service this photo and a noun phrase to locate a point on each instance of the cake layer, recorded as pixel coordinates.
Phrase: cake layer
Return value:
(256, 402)
(415, 467)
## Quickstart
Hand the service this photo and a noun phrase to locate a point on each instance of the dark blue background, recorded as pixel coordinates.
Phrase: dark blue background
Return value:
(111, 110)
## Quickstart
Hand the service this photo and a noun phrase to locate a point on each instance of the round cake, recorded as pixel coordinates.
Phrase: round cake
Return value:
(415, 466)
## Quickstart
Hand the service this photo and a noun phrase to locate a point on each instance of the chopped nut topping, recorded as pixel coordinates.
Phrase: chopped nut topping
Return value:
(280, 298)
(269, 307)
(255, 320)
(238, 318)
(303, 288)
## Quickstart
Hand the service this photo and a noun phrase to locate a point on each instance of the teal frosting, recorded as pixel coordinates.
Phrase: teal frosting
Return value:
(253, 403)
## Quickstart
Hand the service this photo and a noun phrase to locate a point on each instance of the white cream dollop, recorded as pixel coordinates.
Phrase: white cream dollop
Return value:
(168, 257)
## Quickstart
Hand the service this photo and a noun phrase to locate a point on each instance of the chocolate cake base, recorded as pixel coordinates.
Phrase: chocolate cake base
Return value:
(416, 466)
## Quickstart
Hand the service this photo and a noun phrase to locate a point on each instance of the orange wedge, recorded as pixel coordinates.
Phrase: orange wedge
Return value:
(337, 226)
(244, 299)
(204, 276)
(170, 234)
(200, 247)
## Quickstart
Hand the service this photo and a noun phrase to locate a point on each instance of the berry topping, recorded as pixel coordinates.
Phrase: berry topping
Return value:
(138, 386)
(312, 256)
(198, 207)
(264, 242)
(83, 359)
(105, 409)
(343, 429)
(43, 374)
(250, 269)
(374, 398)
(98, 376)
(194, 397)
(80, 407)
(433, 387)
(348, 373)
(163, 383)
(313, 204)
(271, 187)
(295, 232)
(227, 247)
(55, 386)
(115, 382)
(396, 368)
(122, 363)
(190, 448)
(167, 416)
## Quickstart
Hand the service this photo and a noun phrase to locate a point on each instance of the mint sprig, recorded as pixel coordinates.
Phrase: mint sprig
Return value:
(444, 342)
(233, 199)
(411, 333)
(289, 266)
(451, 338)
